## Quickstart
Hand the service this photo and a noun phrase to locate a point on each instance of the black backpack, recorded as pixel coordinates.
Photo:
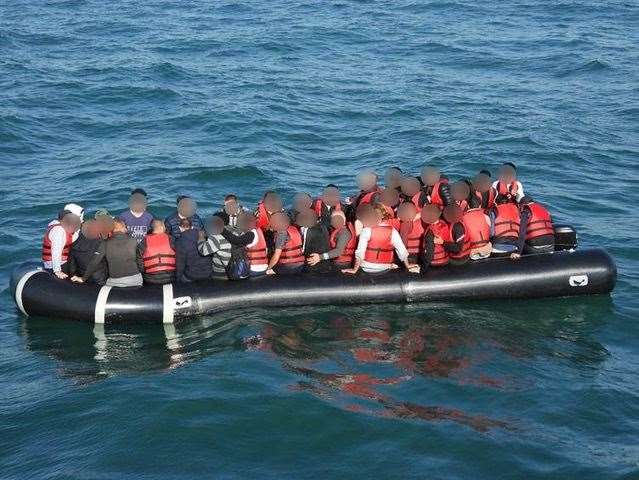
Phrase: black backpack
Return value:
(239, 266)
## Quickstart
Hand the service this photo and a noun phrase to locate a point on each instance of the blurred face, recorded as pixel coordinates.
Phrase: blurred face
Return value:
(407, 212)
(460, 191)
(71, 223)
(393, 178)
(331, 196)
(430, 176)
(187, 207)
(306, 218)
(231, 206)
(410, 186)
(273, 203)
(279, 222)
(367, 181)
(390, 197)
(337, 221)
(301, 201)
(452, 213)
(137, 203)
(216, 225)
(507, 174)
(430, 213)
(246, 222)
(481, 182)
(371, 218)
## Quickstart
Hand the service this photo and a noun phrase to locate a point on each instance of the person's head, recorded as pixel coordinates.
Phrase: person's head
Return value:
(246, 221)
(70, 222)
(185, 224)
(430, 175)
(482, 181)
(91, 230)
(407, 212)
(501, 199)
(105, 223)
(272, 201)
(279, 222)
(410, 186)
(186, 207)
(331, 195)
(452, 213)
(381, 213)
(231, 204)
(460, 191)
(338, 219)
(393, 177)
(508, 173)
(157, 226)
(75, 209)
(302, 201)
(367, 180)
(119, 226)
(214, 225)
(306, 218)
(430, 214)
(367, 215)
(389, 197)
(137, 200)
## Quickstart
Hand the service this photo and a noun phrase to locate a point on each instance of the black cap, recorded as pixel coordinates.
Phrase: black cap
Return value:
(511, 164)
(485, 172)
(180, 198)
(140, 191)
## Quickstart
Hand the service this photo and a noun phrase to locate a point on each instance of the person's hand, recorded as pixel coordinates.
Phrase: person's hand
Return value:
(77, 279)
(350, 271)
(313, 259)
(515, 256)
(270, 271)
(438, 240)
(61, 275)
(201, 236)
(414, 268)
(394, 266)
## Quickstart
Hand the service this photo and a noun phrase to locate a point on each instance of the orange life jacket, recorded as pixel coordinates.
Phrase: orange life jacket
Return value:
(158, 255)
(507, 221)
(46, 243)
(465, 249)
(414, 238)
(490, 198)
(509, 189)
(416, 199)
(349, 250)
(539, 222)
(318, 206)
(380, 246)
(477, 227)
(292, 252)
(257, 254)
(263, 217)
(435, 197)
(367, 197)
(439, 229)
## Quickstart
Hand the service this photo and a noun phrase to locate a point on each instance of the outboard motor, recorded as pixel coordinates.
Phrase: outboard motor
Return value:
(565, 238)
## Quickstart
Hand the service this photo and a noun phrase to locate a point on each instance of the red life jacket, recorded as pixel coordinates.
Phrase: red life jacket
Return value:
(539, 222)
(463, 204)
(46, 243)
(416, 199)
(319, 205)
(367, 197)
(465, 249)
(477, 228)
(440, 229)
(435, 197)
(507, 221)
(380, 246)
(509, 189)
(158, 255)
(292, 252)
(257, 254)
(349, 250)
(263, 217)
(490, 198)
(414, 238)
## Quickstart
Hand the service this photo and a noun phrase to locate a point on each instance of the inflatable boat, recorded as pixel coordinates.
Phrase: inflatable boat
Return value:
(566, 272)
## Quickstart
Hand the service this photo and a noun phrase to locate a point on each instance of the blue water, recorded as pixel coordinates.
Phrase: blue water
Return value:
(208, 98)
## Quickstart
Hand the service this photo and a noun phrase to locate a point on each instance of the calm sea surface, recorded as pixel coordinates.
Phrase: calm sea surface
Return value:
(207, 98)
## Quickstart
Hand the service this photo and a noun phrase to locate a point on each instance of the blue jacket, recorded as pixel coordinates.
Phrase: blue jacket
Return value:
(172, 223)
(190, 265)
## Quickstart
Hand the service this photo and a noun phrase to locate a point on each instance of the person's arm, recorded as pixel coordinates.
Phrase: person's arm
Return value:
(523, 227)
(492, 215)
(402, 252)
(58, 237)
(242, 240)
(360, 251)
(444, 194)
(520, 191)
(139, 255)
(429, 248)
(341, 241)
(458, 239)
(280, 241)
(93, 265)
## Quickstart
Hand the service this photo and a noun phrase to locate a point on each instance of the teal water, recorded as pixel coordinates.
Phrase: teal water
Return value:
(209, 98)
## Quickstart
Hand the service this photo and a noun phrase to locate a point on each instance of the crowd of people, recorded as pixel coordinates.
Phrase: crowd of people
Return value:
(414, 223)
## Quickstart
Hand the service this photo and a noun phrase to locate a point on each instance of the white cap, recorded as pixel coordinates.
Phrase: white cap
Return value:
(75, 209)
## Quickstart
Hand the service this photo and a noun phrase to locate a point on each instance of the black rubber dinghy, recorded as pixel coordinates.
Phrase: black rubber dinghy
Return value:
(567, 273)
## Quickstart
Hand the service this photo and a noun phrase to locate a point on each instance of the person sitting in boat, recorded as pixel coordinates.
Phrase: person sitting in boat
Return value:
(412, 192)
(231, 210)
(436, 186)
(505, 220)
(368, 193)
(327, 203)
(483, 189)
(270, 203)
(507, 183)
(104, 220)
(190, 266)
(389, 200)
(216, 246)
(393, 178)
(137, 218)
(158, 255)
(58, 238)
(123, 259)
(461, 193)
(302, 201)
(377, 244)
(82, 251)
(412, 231)
(536, 232)
(477, 229)
(458, 243)
(436, 233)
(186, 209)
(315, 238)
(342, 242)
(288, 255)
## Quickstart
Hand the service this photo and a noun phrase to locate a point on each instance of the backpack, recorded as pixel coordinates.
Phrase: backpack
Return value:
(239, 266)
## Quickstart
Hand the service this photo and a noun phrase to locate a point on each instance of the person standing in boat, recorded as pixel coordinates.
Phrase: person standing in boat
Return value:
(378, 242)
(123, 259)
(137, 218)
(58, 238)
(186, 209)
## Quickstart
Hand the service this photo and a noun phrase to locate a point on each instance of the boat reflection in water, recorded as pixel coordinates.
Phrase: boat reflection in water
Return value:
(444, 363)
